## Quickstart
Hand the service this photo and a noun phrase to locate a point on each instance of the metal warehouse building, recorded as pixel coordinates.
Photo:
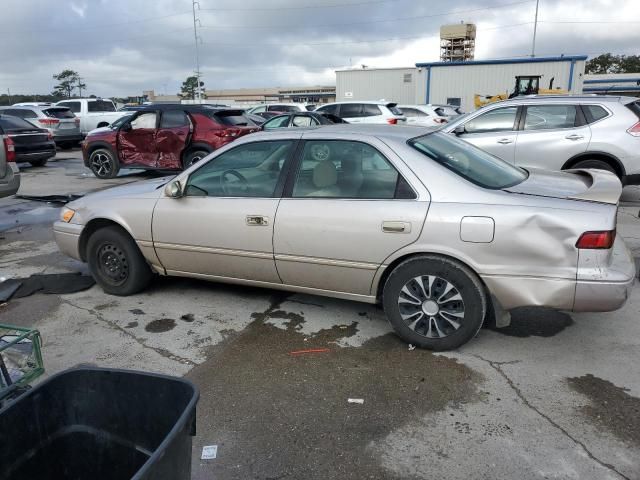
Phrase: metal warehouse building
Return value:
(456, 83)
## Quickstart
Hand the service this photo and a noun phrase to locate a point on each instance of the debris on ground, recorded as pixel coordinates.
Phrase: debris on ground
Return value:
(359, 401)
(54, 283)
(310, 350)
(412, 347)
(209, 452)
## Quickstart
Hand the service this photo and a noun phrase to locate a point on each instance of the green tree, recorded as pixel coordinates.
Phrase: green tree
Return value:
(68, 80)
(189, 89)
(609, 63)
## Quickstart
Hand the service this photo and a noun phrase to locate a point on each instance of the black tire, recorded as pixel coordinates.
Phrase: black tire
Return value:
(443, 272)
(103, 163)
(594, 163)
(193, 156)
(39, 163)
(116, 262)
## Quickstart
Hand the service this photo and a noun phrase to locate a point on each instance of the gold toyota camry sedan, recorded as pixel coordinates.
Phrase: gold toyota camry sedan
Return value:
(440, 232)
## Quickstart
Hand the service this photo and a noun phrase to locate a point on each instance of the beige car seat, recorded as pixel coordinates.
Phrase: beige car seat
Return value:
(325, 179)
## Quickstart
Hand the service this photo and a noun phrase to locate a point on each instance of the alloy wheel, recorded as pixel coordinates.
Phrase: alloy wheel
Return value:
(431, 306)
(101, 164)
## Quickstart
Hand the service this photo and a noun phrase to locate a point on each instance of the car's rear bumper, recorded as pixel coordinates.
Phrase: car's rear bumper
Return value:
(71, 137)
(603, 288)
(67, 236)
(10, 184)
(31, 156)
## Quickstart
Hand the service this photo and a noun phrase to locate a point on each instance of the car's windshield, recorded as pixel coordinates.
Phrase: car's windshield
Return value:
(468, 161)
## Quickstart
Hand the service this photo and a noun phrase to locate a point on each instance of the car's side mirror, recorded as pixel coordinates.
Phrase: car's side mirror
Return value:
(174, 189)
(126, 127)
(460, 130)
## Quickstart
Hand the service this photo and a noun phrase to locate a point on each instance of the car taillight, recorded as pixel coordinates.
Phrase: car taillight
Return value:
(49, 136)
(392, 121)
(49, 121)
(634, 130)
(9, 149)
(596, 240)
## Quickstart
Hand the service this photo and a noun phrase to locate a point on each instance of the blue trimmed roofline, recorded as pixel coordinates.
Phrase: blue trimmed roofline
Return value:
(621, 80)
(566, 58)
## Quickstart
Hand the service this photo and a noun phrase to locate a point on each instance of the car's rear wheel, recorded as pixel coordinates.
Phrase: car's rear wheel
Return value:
(103, 163)
(116, 262)
(434, 302)
(39, 163)
(595, 163)
(193, 157)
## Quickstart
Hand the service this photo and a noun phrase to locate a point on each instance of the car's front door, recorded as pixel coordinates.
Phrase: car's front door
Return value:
(551, 135)
(137, 140)
(223, 225)
(347, 209)
(172, 138)
(494, 131)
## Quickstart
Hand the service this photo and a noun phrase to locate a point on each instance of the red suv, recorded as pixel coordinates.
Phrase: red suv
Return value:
(163, 137)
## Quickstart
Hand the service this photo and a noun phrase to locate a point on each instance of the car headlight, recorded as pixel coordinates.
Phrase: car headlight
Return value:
(67, 214)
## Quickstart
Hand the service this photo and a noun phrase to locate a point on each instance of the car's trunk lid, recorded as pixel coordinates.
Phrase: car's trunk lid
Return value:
(579, 184)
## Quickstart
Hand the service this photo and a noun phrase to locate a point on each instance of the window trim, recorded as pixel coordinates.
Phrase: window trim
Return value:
(517, 121)
(282, 179)
(297, 164)
(580, 120)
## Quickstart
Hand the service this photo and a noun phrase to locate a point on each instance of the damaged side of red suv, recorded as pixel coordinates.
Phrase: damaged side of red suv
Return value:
(163, 137)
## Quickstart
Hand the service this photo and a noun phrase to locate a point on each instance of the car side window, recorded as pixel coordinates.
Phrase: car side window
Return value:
(277, 122)
(100, 106)
(351, 110)
(371, 110)
(347, 169)
(249, 170)
(549, 117)
(413, 112)
(174, 119)
(73, 106)
(145, 120)
(330, 109)
(16, 112)
(259, 109)
(593, 113)
(498, 120)
(302, 121)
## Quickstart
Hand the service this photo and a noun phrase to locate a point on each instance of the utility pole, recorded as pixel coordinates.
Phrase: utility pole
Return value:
(9, 92)
(535, 30)
(196, 21)
(80, 87)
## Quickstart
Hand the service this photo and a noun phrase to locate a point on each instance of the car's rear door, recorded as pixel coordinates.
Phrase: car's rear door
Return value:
(352, 112)
(172, 137)
(551, 134)
(223, 225)
(348, 206)
(494, 131)
(137, 145)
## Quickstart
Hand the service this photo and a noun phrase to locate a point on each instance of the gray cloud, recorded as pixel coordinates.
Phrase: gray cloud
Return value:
(121, 47)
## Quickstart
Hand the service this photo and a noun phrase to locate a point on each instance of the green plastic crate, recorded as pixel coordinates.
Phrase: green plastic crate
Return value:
(20, 358)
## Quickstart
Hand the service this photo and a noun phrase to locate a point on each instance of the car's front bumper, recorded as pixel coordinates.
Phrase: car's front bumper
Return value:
(67, 236)
(603, 287)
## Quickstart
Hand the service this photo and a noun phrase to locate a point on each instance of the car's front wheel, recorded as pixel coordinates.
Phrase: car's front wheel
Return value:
(103, 163)
(116, 262)
(434, 302)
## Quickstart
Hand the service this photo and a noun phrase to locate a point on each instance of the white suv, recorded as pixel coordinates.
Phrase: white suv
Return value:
(365, 112)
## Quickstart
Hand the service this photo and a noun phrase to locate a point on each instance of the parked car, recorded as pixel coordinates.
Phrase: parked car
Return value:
(365, 112)
(559, 132)
(59, 121)
(93, 112)
(278, 107)
(447, 111)
(422, 115)
(9, 173)
(257, 119)
(419, 239)
(33, 104)
(163, 137)
(265, 115)
(30, 143)
(300, 119)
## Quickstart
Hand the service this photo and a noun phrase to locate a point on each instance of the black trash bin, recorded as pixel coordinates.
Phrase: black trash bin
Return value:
(100, 424)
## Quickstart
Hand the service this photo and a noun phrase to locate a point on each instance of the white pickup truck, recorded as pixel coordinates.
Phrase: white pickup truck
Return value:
(93, 112)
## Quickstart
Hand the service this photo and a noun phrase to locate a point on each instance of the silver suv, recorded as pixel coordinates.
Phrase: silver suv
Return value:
(559, 132)
(60, 121)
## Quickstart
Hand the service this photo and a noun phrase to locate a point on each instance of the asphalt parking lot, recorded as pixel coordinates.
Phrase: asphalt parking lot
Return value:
(555, 395)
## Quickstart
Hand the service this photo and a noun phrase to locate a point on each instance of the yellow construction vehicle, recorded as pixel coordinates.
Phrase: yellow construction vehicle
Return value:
(525, 85)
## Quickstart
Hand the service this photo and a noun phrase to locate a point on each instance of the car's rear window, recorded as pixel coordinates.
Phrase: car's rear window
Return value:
(395, 110)
(100, 106)
(468, 161)
(234, 119)
(58, 113)
(8, 123)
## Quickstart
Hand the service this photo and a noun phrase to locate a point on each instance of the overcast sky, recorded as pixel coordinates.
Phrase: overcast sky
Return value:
(121, 47)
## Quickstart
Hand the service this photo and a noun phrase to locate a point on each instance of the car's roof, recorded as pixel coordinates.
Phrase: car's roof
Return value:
(369, 102)
(34, 107)
(571, 98)
(397, 132)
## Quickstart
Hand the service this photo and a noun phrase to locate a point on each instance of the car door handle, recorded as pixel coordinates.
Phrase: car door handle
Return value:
(574, 136)
(505, 141)
(257, 221)
(396, 227)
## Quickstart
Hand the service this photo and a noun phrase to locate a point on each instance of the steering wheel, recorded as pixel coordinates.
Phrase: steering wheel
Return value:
(227, 184)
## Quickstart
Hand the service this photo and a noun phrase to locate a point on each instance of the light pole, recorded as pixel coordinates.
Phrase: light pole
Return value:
(535, 30)
(195, 36)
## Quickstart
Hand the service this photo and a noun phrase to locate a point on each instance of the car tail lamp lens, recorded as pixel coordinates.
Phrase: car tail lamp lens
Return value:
(49, 121)
(49, 135)
(596, 240)
(635, 130)
(392, 121)
(9, 149)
